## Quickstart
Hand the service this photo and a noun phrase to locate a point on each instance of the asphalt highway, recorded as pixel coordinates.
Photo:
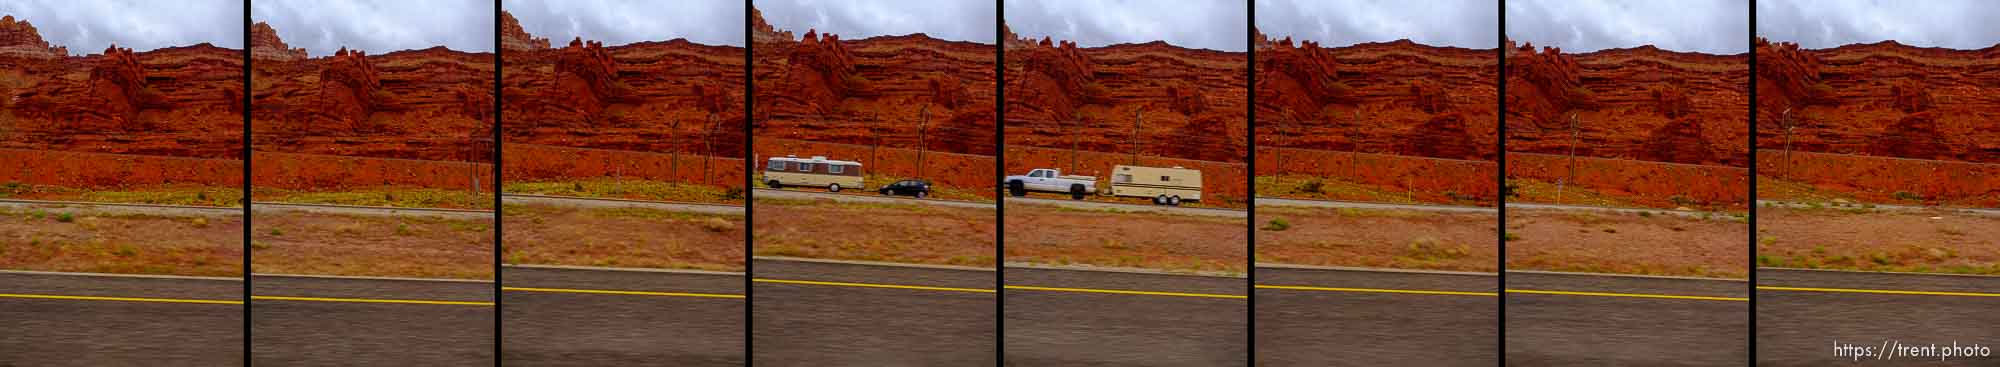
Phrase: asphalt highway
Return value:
(1104, 318)
(1803, 314)
(1601, 320)
(308, 321)
(834, 314)
(582, 317)
(96, 320)
(1325, 317)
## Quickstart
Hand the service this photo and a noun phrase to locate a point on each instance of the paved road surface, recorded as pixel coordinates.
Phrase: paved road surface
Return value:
(845, 325)
(348, 333)
(1271, 201)
(116, 208)
(861, 198)
(1799, 327)
(1063, 328)
(544, 328)
(75, 332)
(1321, 327)
(1099, 205)
(582, 202)
(1582, 330)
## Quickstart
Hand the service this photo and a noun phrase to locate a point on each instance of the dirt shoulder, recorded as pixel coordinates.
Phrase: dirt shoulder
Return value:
(622, 237)
(70, 240)
(1649, 243)
(365, 245)
(1378, 238)
(907, 233)
(1065, 236)
(1857, 238)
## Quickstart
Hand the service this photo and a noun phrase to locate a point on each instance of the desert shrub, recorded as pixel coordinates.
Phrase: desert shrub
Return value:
(1277, 224)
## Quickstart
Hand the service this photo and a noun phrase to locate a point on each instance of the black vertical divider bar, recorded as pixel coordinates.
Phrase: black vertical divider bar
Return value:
(246, 181)
(498, 62)
(1000, 191)
(1751, 242)
(749, 192)
(1250, 167)
(1500, 217)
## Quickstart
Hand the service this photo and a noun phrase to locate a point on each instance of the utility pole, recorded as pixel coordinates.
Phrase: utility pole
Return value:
(1785, 119)
(875, 128)
(1074, 131)
(1575, 132)
(674, 127)
(708, 148)
(1135, 137)
(923, 125)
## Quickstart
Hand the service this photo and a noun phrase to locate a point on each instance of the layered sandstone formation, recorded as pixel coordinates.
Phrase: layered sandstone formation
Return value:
(898, 90)
(514, 38)
(671, 96)
(1397, 97)
(1152, 98)
(1881, 99)
(265, 45)
(176, 101)
(429, 104)
(1639, 103)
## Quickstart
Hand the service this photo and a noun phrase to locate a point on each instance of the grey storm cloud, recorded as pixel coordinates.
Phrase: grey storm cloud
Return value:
(1706, 26)
(379, 26)
(1210, 24)
(618, 22)
(1960, 24)
(1464, 23)
(957, 20)
(89, 26)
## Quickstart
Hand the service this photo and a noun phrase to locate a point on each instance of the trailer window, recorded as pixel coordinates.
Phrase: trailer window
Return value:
(1122, 178)
(835, 168)
(805, 167)
(1164, 179)
(776, 166)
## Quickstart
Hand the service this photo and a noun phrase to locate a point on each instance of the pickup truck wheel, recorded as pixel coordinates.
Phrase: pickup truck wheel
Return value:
(833, 188)
(1016, 188)
(1076, 192)
(774, 184)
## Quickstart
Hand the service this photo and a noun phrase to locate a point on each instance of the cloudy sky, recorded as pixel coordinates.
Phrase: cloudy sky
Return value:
(1461, 23)
(1209, 24)
(618, 22)
(379, 26)
(1706, 26)
(1960, 24)
(957, 20)
(88, 26)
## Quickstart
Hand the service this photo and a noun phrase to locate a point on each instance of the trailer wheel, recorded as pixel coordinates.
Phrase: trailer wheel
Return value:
(833, 187)
(774, 184)
(1076, 191)
(1160, 200)
(1016, 188)
(1174, 200)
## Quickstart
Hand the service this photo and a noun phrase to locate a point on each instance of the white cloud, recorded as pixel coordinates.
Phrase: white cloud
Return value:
(1706, 26)
(89, 26)
(1464, 23)
(1210, 24)
(1960, 24)
(958, 20)
(618, 22)
(379, 26)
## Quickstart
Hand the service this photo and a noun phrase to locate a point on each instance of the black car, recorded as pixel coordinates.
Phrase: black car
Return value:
(911, 187)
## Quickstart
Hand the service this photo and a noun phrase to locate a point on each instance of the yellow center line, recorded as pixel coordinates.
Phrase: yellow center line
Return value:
(628, 293)
(1878, 291)
(1377, 290)
(1631, 295)
(125, 299)
(871, 285)
(369, 300)
(1114, 291)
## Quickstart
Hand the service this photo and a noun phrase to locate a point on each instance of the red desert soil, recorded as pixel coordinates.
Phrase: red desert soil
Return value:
(622, 237)
(58, 239)
(1378, 238)
(906, 91)
(354, 245)
(656, 96)
(1112, 238)
(1857, 238)
(431, 104)
(1654, 243)
(827, 229)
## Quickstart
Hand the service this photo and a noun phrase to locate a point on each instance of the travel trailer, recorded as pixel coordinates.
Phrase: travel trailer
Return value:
(1166, 186)
(813, 172)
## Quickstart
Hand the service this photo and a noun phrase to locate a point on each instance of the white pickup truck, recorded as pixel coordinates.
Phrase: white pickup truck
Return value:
(1050, 180)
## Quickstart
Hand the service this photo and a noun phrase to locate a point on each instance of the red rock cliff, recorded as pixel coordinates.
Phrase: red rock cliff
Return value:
(513, 37)
(175, 101)
(1639, 103)
(1395, 97)
(20, 39)
(1184, 103)
(412, 104)
(265, 45)
(649, 96)
(1883, 99)
(902, 89)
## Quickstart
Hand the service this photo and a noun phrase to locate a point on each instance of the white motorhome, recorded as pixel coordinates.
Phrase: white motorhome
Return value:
(817, 171)
(1166, 186)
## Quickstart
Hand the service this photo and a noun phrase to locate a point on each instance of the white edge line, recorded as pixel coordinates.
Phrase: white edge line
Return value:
(1322, 204)
(1980, 276)
(1124, 270)
(1284, 266)
(268, 205)
(634, 270)
(1668, 277)
(112, 275)
(356, 277)
(853, 198)
(870, 263)
(86, 205)
(556, 200)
